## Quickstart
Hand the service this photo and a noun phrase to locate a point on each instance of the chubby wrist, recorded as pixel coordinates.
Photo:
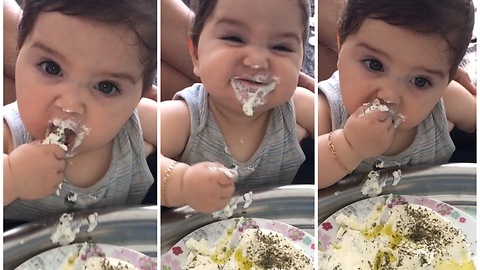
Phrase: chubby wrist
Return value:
(9, 187)
(350, 158)
(173, 185)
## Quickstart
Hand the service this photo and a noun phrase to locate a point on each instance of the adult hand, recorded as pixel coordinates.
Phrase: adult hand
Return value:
(306, 81)
(462, 78)
(151, 93)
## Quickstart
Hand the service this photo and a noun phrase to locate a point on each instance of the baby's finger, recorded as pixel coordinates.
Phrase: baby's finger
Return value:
(227, 192)
(383, 116)
(231, 175)
(360, 111)
(57, 151)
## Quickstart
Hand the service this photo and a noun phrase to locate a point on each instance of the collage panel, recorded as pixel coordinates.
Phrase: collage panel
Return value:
(80, 134)
(237, 138)
(397, 134)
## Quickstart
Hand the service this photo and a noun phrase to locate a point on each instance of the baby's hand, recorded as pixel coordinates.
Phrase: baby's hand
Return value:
(36, 169)
(369, 134)
(207, 188)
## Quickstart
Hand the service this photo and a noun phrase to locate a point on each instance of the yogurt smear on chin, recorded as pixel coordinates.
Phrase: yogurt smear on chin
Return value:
(251, 92)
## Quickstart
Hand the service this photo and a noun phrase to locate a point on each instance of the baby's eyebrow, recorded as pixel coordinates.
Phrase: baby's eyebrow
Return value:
(237, 23)
(432, 72)
(47, 49)
(121, 76)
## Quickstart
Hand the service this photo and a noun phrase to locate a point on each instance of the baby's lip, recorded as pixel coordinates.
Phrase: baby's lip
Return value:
(253, 83)
(250, 81)
(257, 78)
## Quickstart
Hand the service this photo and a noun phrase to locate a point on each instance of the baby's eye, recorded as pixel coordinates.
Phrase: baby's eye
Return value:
(373, 65)
(420, 82)
(233, 39)
(51, 68)
(282, 48)
(107, 87)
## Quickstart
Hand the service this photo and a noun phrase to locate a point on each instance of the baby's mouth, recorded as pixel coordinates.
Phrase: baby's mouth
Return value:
(252, 91)
(253, 83)
(60, 135)
(385, 106)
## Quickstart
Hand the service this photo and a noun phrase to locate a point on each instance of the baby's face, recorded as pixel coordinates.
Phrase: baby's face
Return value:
(70, 68)
(407, 69)
(250, 46)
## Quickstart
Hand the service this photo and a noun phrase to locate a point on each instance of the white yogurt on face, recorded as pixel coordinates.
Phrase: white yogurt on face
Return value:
(252, 92)
(377, 106)
(412, 237)
(57, 136)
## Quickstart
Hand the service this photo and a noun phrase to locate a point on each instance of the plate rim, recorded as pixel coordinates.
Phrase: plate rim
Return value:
(105, 247)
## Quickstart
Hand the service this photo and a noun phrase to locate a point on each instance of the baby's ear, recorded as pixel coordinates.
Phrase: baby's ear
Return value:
(193, 50)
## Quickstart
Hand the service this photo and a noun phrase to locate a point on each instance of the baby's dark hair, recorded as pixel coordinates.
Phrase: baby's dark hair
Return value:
(203, 10)
(139, 16)
(450, 19)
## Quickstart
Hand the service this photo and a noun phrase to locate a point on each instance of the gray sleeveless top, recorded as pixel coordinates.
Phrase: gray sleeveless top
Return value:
(274, 163)
(432, 143)
(126, 182)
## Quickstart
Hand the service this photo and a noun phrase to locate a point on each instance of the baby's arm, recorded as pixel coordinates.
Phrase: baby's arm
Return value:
(30, 171)
(329, 171)
(304, 103)
(460, 106)
(147, 113)
(204, 186)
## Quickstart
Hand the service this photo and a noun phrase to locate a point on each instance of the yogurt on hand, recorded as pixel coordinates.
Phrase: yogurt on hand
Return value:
(413, 237)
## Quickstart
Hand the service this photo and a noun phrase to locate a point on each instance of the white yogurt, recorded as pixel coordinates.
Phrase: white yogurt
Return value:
(376, 105)
(251, 95)
(100, 263)
(65, 231)
(58, 134)
(257, 249)
(412, 237)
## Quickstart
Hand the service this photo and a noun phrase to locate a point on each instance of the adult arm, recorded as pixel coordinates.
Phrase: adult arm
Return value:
(11, 17)
(176, 19)
(460, 106)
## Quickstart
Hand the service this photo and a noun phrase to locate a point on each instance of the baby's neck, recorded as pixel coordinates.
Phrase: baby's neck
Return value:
(85, 169)
(402, 140)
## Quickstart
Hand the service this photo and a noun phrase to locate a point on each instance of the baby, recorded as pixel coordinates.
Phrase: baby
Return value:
(79, 118)
(401, 55)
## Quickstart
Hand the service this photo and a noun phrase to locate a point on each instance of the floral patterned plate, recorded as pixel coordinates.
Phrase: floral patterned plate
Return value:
(57, 258)
(176, 257)
(327, 231)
